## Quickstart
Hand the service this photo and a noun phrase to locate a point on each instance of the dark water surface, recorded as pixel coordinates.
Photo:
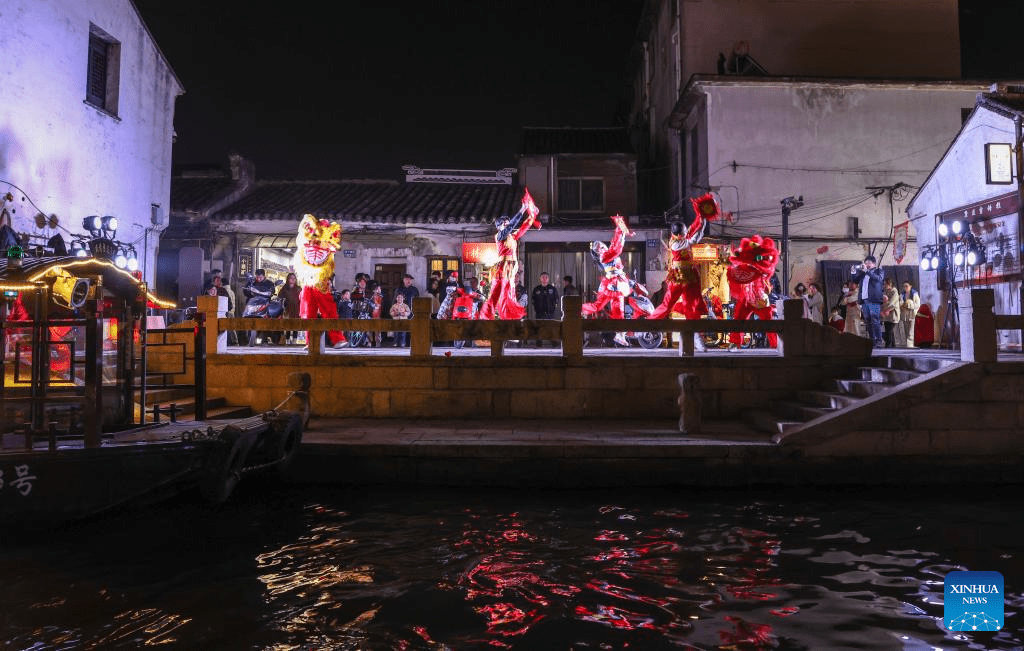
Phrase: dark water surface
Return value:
(333, 568)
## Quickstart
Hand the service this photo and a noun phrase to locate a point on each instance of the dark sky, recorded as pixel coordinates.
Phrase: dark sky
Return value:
(438, 84)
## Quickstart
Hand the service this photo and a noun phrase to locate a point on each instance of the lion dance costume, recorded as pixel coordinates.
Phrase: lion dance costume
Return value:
(682, 284)
(502, 302)
(751, 266)
(316, 243)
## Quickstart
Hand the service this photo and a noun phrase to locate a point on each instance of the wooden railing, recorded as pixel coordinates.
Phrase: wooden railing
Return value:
(979, 325)
(424, 330)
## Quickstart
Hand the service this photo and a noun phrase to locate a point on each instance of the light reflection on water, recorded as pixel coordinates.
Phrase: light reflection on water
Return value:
(325, 568)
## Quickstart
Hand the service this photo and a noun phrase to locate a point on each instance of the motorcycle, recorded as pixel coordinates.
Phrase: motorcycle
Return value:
(262, 305)
(637, 305)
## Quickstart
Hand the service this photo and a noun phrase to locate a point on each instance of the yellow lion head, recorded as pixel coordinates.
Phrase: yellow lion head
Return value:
(318, 239)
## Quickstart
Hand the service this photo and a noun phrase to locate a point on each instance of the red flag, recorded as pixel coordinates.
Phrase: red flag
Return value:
(528, 205)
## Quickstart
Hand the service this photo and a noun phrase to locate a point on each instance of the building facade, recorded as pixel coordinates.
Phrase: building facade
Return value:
(86, 121)
(869, 39)
(976, 183)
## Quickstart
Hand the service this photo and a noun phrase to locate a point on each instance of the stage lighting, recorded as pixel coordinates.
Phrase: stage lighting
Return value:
(70, 291)
(957, 227)
(926, 261)
(943, 230)
(92, 223)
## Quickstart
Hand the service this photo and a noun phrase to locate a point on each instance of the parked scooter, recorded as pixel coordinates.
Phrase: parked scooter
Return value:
(639, 306)
(262, 305)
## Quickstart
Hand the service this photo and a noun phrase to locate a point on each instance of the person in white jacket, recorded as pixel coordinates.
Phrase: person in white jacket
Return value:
(910, 303)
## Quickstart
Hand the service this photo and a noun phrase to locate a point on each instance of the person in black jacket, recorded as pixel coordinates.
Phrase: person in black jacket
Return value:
(870, 277)
(545, 301)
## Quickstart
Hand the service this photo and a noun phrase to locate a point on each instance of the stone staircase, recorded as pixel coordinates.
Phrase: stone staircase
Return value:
(184, 399)
(837, 396)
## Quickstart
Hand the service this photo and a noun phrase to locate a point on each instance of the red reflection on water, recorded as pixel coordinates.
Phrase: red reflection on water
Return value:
(746, 635)
(619, 618)
(785, 611)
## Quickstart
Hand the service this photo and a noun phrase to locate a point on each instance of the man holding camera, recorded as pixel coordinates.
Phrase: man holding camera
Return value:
(869, 277)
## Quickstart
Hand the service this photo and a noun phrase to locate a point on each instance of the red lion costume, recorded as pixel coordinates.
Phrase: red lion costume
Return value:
(751, 266)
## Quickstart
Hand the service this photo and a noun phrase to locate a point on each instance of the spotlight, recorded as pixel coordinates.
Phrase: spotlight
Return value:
(926, 261)
(121, 260)
(936, 261)
(133, 264)
(92, 223)
(958, 258)
(109, 223)
(957, 227)
(943, 230)
(976, 255)
(81, 253)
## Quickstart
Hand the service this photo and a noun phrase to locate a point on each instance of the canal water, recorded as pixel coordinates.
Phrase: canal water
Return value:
(334, 568)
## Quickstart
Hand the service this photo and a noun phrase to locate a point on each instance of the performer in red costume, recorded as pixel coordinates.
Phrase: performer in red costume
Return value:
(615, 285)
(683, 286)
(751, 266)
(502, 302)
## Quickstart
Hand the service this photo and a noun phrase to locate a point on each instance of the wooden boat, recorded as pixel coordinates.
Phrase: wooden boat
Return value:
(74, 442)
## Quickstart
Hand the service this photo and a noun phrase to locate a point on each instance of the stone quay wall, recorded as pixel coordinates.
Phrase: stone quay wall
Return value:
(519, 387)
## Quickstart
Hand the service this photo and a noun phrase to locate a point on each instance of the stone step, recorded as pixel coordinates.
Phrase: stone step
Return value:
(889, 376)
(826, 399)
(228, 411)
(912, 363)
(161, 396)
(763, 420)
(793, 410)
(856, 388)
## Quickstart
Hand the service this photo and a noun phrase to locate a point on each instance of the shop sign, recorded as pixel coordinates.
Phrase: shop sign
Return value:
(704, 252)
(349, 253)
(245, 262)
(483, 252)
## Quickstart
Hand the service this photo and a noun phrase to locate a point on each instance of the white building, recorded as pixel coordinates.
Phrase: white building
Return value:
(853, 150)
(977, 182)
(86, 120)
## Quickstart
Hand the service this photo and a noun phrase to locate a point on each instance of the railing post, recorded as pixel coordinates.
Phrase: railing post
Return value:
(978, 326)
(420, 344)
(794, 335)
(214, 307)
(686, 343)
(198, 373)
(572, 327)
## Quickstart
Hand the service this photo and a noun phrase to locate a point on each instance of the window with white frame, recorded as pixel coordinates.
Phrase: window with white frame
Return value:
(104, 71)
(581, 195)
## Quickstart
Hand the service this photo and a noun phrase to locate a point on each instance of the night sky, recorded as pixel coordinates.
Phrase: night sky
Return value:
(436, 84)
(307, 95)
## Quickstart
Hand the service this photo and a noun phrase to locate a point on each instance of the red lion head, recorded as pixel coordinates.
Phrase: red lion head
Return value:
(755, 256)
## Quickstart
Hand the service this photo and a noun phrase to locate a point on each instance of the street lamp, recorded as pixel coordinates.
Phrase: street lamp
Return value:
(789, 204)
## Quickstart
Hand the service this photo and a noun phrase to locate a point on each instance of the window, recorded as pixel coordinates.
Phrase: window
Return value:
(103, 74)
(581, 195)
(443, 263)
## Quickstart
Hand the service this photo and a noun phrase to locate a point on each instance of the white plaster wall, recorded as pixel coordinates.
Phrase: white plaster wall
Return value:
(827, 38)
(959, 180)
(68, 157)
(827, 142)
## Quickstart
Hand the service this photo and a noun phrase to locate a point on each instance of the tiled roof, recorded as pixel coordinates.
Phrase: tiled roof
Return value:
(550, 141)
(375, 201)
(195, 193)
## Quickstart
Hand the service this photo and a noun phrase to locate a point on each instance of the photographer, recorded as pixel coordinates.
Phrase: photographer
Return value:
(870, 278)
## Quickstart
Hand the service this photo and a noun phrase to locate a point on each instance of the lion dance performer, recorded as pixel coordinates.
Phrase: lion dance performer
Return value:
(682, 284)
(502, 302)
(751, 266)
(615, 285)
(316, 243)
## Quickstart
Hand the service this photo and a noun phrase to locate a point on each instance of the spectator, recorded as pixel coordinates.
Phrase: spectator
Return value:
(227, 287)
(868, 276)
(854, 324)
(800, 291)
(890, 312)
(399, 310)
(376, 300)
(289, 292)
(261, 287)
(545, 302)
(815, 302)
(407, 291)
(910, 303)
(568, 289)
(345, 304)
